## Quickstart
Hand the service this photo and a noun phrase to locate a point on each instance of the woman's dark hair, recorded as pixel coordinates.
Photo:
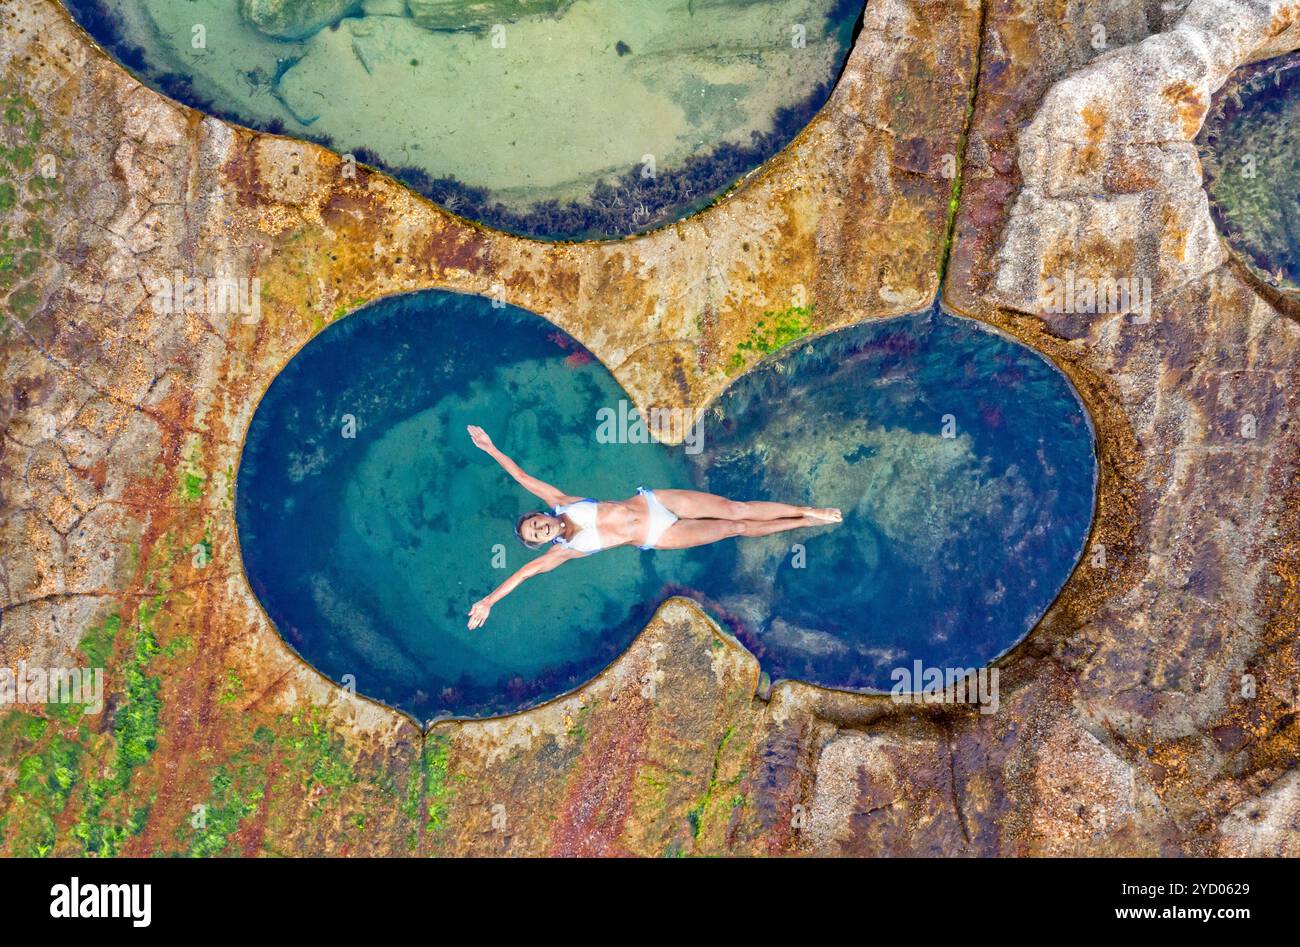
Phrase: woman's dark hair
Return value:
(519, 529)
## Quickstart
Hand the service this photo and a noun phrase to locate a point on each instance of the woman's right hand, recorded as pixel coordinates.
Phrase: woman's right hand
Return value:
(479, 613)
(480, 437)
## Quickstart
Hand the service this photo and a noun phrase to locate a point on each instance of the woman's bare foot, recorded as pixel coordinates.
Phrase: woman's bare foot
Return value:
(827, 514)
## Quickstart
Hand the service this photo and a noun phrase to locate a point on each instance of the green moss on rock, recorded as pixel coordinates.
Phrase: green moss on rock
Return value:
(774, 331)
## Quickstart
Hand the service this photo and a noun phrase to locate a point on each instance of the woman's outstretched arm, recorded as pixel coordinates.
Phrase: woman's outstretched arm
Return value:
(548, 494)
(549, 560)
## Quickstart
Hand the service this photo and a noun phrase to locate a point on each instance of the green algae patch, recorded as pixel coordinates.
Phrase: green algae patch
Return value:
(192, 486)
(51, 756)
(97, 643)
(775, 330)
(429, 792)
(106, 820)
(29, 192)
(297, 756)
(237, 792)
(193, 479)
(343, 310)
(438, 792)
(87, 786)
(697, 812)
(56, 756)
(316, 752)
(48, 766)
(232, 688)
(136, 725)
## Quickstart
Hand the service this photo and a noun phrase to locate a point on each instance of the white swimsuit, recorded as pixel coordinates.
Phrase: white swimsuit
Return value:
(660, 517)
(583, 515)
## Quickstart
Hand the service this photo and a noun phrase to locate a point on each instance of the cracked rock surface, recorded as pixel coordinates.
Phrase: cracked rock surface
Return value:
(1124, 725)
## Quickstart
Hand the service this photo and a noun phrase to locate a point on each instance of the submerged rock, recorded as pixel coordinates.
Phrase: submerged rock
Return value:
(294, 19)
(803, 641)
(750, 611)
(477, 14)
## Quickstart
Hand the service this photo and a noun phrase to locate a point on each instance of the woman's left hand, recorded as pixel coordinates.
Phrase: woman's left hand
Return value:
(479, 437)
(479, 613)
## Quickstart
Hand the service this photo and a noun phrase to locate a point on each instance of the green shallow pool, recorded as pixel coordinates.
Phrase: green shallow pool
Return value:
(551, 118)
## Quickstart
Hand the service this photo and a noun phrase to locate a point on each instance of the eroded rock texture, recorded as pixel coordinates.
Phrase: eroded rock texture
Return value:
(1184, 662)
(1122, 728)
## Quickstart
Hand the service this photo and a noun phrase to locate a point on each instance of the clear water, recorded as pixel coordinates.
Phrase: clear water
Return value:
(368, 551)
(965, 467)
(545, 135)
(1250, 149)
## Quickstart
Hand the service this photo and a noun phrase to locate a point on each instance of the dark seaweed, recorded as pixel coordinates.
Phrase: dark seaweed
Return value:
(629, 204)
(98, 21)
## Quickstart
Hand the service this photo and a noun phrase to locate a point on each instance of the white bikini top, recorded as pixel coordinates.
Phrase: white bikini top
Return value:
(583, 515)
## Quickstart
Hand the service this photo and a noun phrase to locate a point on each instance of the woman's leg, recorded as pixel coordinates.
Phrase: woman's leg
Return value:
(692, 504)
(686, 533)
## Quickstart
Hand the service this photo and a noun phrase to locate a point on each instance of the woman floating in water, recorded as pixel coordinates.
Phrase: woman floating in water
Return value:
(653, 519)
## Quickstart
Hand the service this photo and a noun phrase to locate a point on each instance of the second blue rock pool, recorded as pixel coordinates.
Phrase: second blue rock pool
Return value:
(369, 523)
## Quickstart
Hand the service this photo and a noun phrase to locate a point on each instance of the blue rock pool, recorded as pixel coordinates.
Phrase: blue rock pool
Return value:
(369, 523)
(558, 119)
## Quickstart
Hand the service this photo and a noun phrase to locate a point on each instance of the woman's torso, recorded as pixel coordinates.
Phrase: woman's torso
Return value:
(605, 523)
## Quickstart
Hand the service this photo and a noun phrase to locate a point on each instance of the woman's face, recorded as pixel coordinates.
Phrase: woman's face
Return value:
(540, 528)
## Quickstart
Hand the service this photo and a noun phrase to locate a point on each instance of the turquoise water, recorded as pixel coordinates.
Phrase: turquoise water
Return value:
(367, 551)
(557, 119)
(1250, 150)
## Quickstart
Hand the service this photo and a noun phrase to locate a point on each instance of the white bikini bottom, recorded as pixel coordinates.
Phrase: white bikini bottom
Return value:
(660, 517)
